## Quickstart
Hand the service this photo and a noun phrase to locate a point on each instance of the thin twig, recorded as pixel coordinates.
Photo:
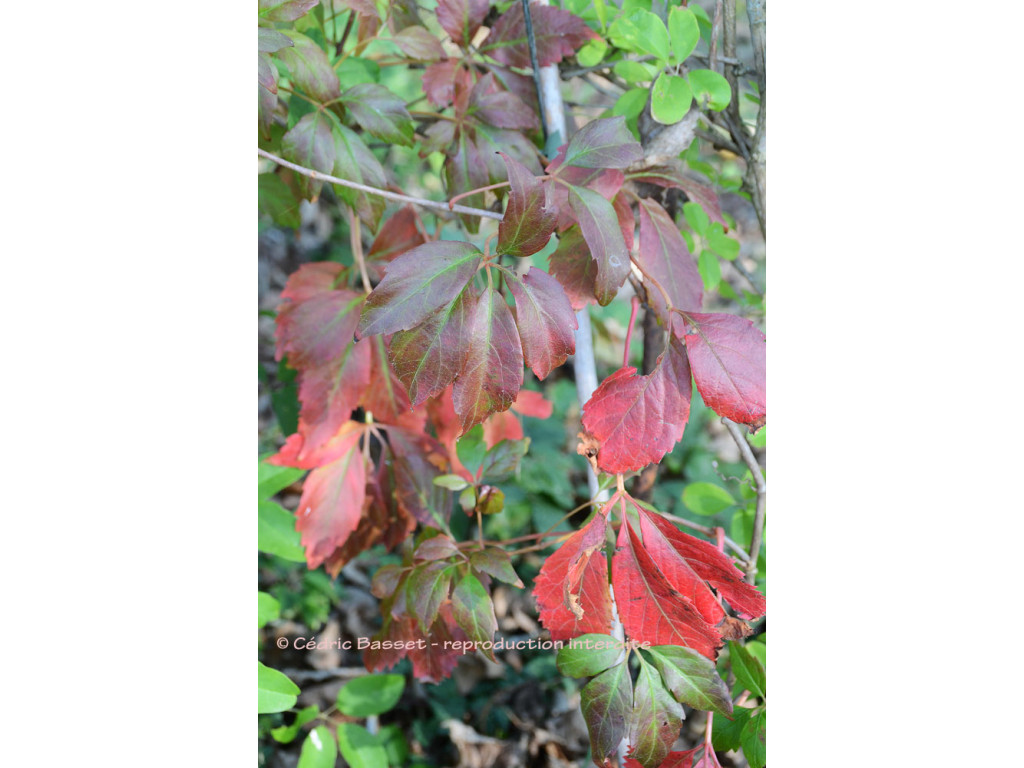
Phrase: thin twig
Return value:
(755, 469)
(357, 249)
(441, 206)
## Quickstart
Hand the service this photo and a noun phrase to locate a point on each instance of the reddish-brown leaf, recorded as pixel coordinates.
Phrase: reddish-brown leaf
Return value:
(439, 81)
(727, 354)
(545, 320)
(310, 144)
(332, 501)
(493, 370)
(574, 268)
(572, 586)
(429, 357)
(600, 227)
(499, 108)
(557, 34)
(396, 236)
(671, 174)
(603, 143)
(417, 284)
(650, 609)
(461, 18)
(418, 43)
(637, 419)
(664, 256)
(506, 425)
(385, 396)
(529, 217)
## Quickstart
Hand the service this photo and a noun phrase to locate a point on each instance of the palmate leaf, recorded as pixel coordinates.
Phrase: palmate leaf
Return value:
(417, 284)
(635, 420)
(492, 373)
(727, 354)
(557, 34)
(692, 678)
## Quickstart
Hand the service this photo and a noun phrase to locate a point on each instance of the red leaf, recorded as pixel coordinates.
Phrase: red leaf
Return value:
(637, 419)
(386, 397)
(439, 81)
(706, 563)
(557, 33)
(650, 609)
(545, 320)
(493, 371)
(600, 227)
(603, 143)
(429, 357)
(572, 586)
(663, 255)
(506, 426)
(418, 283)
(671, 174)
(332, 501)
(461, 18)
(529, 217)
(728, 358)
(672, 760)
(574, 268)
(432, 662)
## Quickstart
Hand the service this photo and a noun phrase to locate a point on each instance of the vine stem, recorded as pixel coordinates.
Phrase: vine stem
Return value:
(499, 185)
(357, 248)
(750, 460)
(399, 198)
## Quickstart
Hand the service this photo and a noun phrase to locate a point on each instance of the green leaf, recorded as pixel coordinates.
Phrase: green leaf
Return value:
(684, 34)
(704, 82)
(359, 748)
(592, 53)
(277, 201)
(285, 10)
(276, 692)
(503, 459)
(353, 161)
(634, 71)
(277, 534)
(606, 702)
(310, 70)
(355, 70)
(710, 270)
(273, 478)
(670, 98)
(759, 439)
(380, 112)
(370, 695)
(427, 588)
(692, 678)
(285, 734)
(474, 611)
(472, 450)
(451, 482)
(395, 745)
(722, 244)
(319, 749)
(631, 103)
(496, 563)
(753, 738)
(748, 669)
(269, 608)
(656, 719)
(726, 734)
(696, 218)
(310, 144)
(707, 498)
(587, 655)
(641, 32)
